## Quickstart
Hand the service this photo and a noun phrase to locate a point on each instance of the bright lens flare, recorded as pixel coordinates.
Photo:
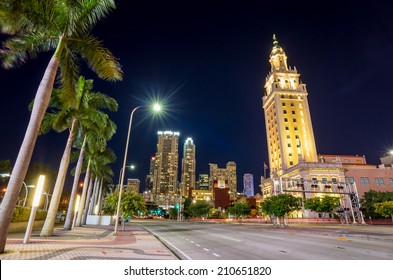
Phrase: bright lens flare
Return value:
(157, 107)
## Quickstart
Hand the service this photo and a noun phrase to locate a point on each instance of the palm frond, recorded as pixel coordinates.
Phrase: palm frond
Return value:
(69, 73)
(88, 14)
(102, 101)
(98, 58)
(18, 49)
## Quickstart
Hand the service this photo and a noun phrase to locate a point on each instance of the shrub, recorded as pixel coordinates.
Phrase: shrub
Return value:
(22, 214)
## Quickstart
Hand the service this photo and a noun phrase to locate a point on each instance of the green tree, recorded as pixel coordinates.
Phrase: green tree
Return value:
(50, 25)
(173, 213)
(323, 205)
(200, 208)
(131, 203)
(280, 206)
(385, 209)
(369, 200)
(186, 207)
(81, 112)
(240, 209)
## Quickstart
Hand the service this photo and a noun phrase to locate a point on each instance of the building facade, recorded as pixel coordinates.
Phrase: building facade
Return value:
(133, 185)
(203, 182)
(149, 177)
(188, 168)
(224, 179)
(289, 131)
(248, 184)
(165, 190)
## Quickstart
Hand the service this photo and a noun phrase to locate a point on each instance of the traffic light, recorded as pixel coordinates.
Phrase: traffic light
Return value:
(177, 206)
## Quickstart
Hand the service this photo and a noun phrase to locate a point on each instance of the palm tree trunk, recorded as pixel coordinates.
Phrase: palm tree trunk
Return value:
(93, 196)
(83, 197)
(99, 201)
(24, 156)
(70, 211)
(47, 229)
(88, 200)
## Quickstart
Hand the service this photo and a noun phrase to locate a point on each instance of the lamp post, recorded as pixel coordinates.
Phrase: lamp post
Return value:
(36, 202)
(156, 108)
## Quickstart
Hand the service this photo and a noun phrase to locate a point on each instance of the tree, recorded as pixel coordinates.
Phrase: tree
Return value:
(322, 205)
(200, 208)
(240, 209)
(65, 28)
(280, 206)
(81, 112)
(385, 209)
(131, 203)
(369, 200)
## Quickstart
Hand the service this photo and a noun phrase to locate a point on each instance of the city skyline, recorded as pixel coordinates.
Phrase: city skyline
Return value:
(210, 65)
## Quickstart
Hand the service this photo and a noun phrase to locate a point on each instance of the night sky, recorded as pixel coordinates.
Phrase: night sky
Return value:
(208, 62)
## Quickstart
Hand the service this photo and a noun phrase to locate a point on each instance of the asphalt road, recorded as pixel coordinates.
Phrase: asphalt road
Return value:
(205, 241)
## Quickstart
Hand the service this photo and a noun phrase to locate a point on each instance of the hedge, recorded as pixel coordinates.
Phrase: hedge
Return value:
(22, 214)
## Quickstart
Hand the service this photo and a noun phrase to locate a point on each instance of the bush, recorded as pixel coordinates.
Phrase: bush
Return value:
(22, 214)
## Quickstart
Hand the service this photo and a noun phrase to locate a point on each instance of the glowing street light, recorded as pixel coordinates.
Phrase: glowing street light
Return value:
(36, 202)
(156, 108)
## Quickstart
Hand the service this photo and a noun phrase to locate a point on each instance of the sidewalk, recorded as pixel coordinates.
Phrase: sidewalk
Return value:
(88, 243)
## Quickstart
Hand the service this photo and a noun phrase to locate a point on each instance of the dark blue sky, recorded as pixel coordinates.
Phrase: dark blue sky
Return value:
(209, 62)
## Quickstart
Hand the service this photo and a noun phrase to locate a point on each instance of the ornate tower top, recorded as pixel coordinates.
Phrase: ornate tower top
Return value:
(278, 58)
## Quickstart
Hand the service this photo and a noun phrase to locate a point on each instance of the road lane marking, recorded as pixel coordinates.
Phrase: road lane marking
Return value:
(198, 245)
(217, 255)
(169, 243)
(192, 241)
(207, 250)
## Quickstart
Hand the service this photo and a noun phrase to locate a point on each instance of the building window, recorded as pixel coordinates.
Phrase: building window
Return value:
(285, 111)
(334, 180)
(294, 120)
(288, 137)
(362, 181)
(366, 181)
(289, 145)
(291, 163)
(377, 181)
(381, 182)
(283, 104)
(297, 136)
(292, 105)
(295, 128)
(293, 112)
(349, 180)
(324, 180)
(286, 128)
(285, 120)
(290, 154)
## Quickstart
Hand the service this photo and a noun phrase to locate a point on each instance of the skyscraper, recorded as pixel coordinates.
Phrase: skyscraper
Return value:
(289, 129)
(166, 167)
(248, 184)
(188, 168)
(149, 177)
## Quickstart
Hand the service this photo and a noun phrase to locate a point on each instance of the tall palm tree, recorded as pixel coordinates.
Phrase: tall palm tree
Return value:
(82, 112)
(50, 25)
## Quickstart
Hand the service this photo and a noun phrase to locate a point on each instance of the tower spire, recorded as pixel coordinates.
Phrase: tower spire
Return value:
(275, 42)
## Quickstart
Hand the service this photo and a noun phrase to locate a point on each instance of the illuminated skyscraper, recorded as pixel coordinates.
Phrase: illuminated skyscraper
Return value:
(166, 166)
(248, 183)
(188, 168)
(289, 129)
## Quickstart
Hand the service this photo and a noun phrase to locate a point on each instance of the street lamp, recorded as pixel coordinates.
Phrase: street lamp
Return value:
(156, 108)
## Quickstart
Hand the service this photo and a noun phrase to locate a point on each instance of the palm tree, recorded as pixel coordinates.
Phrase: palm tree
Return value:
(50, 25)
(81, 112)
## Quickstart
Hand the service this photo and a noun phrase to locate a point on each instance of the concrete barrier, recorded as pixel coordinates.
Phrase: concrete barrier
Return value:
(98, 220)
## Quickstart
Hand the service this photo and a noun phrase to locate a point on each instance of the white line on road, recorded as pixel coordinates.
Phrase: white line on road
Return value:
(198, 245)
(217, 255)
(207, 250)
(192, 241)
